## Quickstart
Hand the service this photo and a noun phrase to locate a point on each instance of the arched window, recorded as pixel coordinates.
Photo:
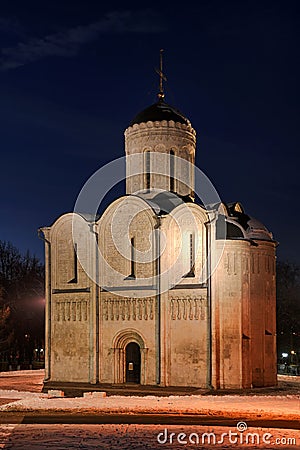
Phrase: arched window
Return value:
(147, 169)
(172, 171)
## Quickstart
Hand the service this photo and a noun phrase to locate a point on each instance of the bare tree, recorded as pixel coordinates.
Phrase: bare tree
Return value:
(288, 296)
(288, 310)
(6, 331)
(22, 302)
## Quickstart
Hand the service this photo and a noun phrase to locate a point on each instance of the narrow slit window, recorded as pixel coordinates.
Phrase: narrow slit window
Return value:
(132, 261)
(147, 169)
(75, 266)
(132, 258)
(172, 171)
(191, 272)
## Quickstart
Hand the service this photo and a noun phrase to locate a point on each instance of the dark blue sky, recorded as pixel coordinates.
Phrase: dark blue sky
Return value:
(73, 75)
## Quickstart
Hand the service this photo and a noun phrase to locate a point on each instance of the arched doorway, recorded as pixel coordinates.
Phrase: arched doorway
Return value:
(121, 341)
(133, 363)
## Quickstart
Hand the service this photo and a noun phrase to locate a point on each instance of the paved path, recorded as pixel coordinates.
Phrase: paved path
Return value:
(138, 437)
(142, 419)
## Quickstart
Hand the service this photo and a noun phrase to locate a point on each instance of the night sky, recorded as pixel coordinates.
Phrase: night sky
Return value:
(74, 73)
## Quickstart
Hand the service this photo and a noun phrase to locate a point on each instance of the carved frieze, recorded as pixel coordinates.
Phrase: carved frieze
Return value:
(75, 310)
(128, 309)
(188, 308)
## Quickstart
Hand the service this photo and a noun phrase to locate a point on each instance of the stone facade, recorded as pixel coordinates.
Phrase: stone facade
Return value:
(152, 294)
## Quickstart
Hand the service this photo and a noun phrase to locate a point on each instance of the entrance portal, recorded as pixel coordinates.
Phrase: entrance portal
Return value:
(133, 363)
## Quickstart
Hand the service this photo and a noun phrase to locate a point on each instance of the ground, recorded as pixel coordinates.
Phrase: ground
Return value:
(127, 437)
(272, 420)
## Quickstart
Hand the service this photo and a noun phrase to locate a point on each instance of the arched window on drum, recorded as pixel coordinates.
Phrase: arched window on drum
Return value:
(172, 171)
(147, 164)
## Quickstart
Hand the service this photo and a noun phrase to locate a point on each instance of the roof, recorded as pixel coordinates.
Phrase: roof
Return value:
(253, 228)
(163, 202)
(160, 111)
(256, 230)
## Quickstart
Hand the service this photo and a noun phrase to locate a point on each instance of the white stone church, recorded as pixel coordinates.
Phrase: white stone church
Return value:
(155, 292)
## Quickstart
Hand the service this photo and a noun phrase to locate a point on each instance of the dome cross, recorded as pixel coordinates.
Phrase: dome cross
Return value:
(162, 76)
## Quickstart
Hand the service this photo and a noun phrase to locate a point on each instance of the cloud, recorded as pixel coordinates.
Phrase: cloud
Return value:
(68, 42)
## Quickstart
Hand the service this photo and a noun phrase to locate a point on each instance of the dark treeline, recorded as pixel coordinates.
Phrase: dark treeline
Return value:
(288, 297)
(22, 306)
(288, 312)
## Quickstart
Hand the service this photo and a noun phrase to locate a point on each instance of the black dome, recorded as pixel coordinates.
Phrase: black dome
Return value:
(160, 111)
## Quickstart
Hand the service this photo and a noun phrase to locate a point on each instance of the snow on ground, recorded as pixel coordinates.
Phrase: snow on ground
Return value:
(227, 405)
(289, 378)
(267, 406)
(138, 437)
(23, 373)
(22, 380)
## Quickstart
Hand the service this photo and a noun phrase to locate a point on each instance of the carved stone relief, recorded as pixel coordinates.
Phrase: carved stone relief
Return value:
(188, 308)
(128, 309)
(75, 310)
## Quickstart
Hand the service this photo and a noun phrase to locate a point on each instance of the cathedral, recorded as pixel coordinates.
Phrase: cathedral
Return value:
(161, 289)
